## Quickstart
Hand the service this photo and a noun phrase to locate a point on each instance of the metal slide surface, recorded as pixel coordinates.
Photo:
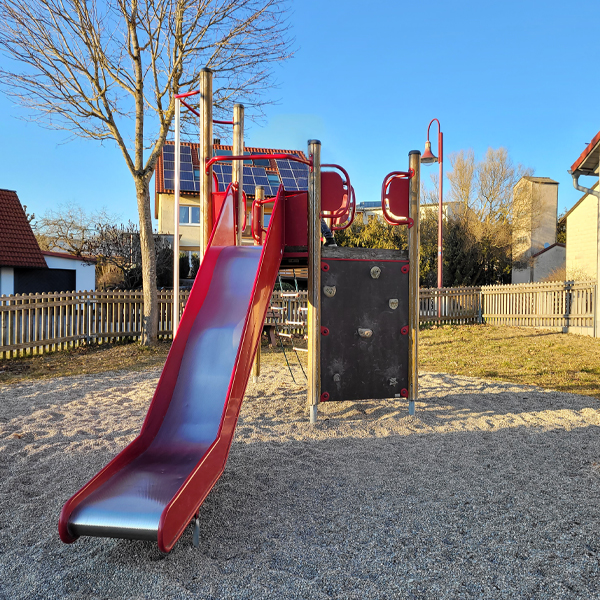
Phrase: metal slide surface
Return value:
(153, 488)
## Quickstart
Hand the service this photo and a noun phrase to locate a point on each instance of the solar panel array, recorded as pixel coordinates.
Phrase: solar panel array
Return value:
(188, 181)
(253, 176)
(293, 175)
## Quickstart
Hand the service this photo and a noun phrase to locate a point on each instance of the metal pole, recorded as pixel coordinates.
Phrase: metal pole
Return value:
(206, 147)
(259, 194)
(314, 279)
(440, 265)
(414, 161)
(238, 165)
(176, 218)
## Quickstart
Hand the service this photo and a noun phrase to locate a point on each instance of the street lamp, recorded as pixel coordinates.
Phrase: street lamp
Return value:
(428, 158)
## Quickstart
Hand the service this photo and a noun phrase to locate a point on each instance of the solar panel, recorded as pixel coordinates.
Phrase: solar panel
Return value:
(261, 181)
(286, 173)
(187, 166)
(262, 162)
(169, 185)
(283, 163)
(289, 183)
(187, 176)
(187, 186)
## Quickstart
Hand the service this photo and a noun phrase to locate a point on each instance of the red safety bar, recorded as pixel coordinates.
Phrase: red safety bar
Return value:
(257, 228)
(216, 159)
(186, 95)
(351, 211)
(343, 210)
(398, 199)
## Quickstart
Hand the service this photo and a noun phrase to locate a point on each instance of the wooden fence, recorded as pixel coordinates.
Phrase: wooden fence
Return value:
(38, 323)
(457, 306)
(566, 306)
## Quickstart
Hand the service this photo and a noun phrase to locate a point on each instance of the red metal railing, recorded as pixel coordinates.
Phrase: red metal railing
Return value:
(388, 216)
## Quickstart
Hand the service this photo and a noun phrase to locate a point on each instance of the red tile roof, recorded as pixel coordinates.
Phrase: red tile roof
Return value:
(18, 246)
(588, 159)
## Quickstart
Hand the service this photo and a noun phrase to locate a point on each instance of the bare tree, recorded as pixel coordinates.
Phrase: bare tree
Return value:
(108, 70)
(117, 249)
(69, 228)
(484, 190)
(461, 177)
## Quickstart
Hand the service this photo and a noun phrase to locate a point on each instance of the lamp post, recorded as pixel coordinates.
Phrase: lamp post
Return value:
(428, 158)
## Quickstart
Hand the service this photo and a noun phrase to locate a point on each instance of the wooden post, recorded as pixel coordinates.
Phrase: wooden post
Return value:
(414, 161)
(314, 279)
(206, 148)
(238, 165)
(259, 194)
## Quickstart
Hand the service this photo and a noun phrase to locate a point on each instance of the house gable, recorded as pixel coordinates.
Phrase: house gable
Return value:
(18, 246)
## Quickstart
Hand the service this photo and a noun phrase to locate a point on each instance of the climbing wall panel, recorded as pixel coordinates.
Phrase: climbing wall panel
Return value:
(364, 324)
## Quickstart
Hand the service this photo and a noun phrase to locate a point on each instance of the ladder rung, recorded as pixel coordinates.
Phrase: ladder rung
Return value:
(290, 295)
(303, 308)
(295, 323)
(301, 349)
(277, 308)
(287, 335)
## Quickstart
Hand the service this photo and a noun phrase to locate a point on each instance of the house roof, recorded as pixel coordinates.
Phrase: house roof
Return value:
(589, 159)
(539, 179)
(557, 244)
(18, 246)
(189, 152)
(564, 217)
(87, 259)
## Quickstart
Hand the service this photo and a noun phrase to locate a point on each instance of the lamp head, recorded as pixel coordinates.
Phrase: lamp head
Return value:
(428, 157)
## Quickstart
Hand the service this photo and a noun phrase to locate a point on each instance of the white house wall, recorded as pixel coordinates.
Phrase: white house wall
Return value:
(582, 245)
(547, 262)
(85, 273)
(7, 281)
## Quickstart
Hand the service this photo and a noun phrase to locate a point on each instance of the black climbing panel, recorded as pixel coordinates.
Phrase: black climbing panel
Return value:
(364, 323)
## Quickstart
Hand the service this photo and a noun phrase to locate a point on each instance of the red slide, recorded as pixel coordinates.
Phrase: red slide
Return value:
(154, 487)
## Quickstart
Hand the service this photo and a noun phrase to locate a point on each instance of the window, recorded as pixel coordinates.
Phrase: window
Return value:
(189, 215)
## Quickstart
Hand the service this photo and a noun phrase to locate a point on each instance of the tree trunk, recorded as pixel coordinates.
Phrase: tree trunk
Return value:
(150, 320)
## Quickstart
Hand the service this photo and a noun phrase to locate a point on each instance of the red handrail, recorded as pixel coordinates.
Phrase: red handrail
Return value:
(257, 235)
(341, 212)
(392, 220)
(351, 213)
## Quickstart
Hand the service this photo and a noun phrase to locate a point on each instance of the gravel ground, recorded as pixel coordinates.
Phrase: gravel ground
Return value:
(490, 491)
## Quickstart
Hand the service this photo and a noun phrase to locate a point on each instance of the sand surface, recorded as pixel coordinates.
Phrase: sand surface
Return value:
(491, 491)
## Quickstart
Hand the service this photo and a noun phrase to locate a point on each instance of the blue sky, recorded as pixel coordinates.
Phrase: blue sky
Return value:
(366, 80)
